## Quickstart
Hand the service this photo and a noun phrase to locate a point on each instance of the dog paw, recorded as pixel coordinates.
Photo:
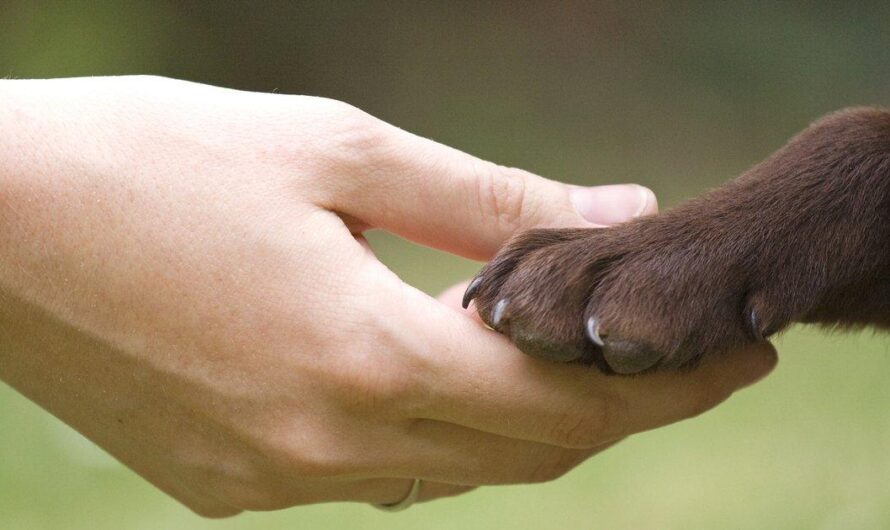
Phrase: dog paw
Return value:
(800, 237)
(639, 297)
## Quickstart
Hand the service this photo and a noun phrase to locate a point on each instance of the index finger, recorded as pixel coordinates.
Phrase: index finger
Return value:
(480, 380)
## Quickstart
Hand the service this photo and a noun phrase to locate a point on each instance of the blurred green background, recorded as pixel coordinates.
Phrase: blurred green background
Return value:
(676, 96)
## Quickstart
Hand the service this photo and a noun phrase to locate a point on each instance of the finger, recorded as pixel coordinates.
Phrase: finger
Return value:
(429, 490)
(434, 451)
(474, 377)
(299, 491)
(394, 490)
(448, 453)
(576, 406)
(444, 198)
(449, 459)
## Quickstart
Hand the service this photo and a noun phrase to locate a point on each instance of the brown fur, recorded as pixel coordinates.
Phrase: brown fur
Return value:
(804, 236)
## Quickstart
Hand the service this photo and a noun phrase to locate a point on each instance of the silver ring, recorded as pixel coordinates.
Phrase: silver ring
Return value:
(405, 503)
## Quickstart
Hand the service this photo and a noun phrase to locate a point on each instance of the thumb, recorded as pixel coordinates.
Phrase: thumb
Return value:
(444, 198)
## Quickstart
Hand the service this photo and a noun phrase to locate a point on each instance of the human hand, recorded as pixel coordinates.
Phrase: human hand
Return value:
(184, 282)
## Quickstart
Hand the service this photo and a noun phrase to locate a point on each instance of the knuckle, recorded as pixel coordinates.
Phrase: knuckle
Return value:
(354, 133)
(385, 378)
(307, 455)
(342, 137)
(370, 386)
(251, 487)
(299, 447)
(502, 194)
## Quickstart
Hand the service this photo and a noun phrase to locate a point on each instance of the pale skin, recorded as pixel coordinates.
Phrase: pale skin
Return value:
(184, 281)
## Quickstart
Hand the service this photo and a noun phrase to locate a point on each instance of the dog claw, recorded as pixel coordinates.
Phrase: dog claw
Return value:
(498, 312)
(593, 332)
(471, 291)
(755, 325)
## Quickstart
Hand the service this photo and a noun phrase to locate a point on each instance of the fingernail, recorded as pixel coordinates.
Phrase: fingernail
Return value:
(612, 204)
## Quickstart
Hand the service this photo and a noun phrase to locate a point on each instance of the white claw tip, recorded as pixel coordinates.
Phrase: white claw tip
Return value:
(498, 312)
(593, 332)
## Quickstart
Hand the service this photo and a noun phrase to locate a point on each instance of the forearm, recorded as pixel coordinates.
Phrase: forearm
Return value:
(42, 190)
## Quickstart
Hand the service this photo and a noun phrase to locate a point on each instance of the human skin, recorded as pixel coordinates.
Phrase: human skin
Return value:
(184, 281)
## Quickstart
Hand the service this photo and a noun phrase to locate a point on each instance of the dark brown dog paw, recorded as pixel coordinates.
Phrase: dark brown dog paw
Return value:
(654, 294)
(801, 237)
(627, 298)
